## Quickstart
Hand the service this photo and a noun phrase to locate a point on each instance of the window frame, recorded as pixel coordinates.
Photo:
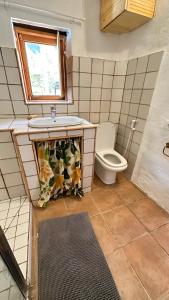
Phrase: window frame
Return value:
(43, 37)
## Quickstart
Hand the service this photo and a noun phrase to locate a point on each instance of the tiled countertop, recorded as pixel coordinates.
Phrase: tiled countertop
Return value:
(20, 126)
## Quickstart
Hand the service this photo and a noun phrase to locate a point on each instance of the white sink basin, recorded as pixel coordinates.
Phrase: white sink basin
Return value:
(58, 122)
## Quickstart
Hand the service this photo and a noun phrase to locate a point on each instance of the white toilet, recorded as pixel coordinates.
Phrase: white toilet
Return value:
(107, 161)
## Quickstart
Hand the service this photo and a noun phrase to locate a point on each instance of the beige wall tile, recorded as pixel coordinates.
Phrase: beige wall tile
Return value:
(94, 117)
(84, 93)
(73, 108)
(26, 153)
(35, 194)
(2, 75)
(154, 61)
(75, 64)
(87, 171)
(9, 57)
(6, 107)
(106, 94)
(35, 136)
(139, 81)
(88, 145)
(30, 168)
(35, 109)
(88, 159)
(95, 93)
(5, 137)
(121, 67)
(136, 96)
(117, 94)
(97, 66)
(127, 95)
(20, 108)
(96, 80)
(23, 139)
(13, 75)
(85, 64)
(150, 80)
(13, 179)
(115, 107)
(3, 194)
(104, 117)
(142, 64)
(109, 67)
(107, 81)
(16, 191)
(118, 82)
(114, 117)
(143, 111)
(16, 92)
(147, 96)
(84, 106)
(95, 106)
(85, 80)
(125, 108)
(33, 182)
(105, 106)
(7, 150)
(129, 82)
(87, 182)
(89, 133)
(4, 92)
(131, 68)
(133, 109)
(9, 165)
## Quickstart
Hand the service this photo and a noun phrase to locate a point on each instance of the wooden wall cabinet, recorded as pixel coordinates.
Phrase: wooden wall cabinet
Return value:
(121, 16)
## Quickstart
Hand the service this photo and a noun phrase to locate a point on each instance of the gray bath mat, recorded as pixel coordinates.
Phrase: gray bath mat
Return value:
(71, 263)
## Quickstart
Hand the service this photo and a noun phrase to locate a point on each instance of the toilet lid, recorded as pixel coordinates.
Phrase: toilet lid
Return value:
(105, 136)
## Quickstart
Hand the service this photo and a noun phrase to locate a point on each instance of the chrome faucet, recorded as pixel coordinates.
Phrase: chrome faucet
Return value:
(53, 113)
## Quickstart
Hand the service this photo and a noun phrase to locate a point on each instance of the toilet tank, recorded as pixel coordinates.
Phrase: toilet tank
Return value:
(105, 136)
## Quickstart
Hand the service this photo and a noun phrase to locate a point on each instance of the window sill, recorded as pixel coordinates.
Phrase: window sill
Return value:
(48, 102)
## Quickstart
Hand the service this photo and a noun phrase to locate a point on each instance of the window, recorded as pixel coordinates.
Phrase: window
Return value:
(42, 58)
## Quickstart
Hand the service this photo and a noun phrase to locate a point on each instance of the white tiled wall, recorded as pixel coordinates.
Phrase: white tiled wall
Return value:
(101, 90)
(11, 184)
(139, 87)
(14, 220)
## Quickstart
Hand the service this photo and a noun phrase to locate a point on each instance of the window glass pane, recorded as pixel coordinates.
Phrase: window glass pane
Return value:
(43, 69)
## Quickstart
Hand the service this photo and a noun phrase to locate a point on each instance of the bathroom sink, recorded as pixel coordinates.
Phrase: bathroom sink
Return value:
(57, 122)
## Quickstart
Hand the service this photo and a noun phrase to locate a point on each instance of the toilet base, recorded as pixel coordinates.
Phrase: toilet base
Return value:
(106, 176)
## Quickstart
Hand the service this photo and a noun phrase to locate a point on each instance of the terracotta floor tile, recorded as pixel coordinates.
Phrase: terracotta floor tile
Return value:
(166, 297)
(97, 183)
(123, 224)
(103, 235)
(54, 209)
(116, 225)
(162, 236)
(128, 193)
(149, 213)
(151, 264)
(85, 204)
(105, 200)
(121, 178)
(127, 282)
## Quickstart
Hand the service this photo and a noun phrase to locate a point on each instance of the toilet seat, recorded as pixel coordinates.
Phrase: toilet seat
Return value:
(111, 159)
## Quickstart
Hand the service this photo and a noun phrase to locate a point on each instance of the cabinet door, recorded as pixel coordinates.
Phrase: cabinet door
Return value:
(110, 9)
(142, 7)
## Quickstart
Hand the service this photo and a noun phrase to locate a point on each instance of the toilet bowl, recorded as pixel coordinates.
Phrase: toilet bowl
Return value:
(107, 161)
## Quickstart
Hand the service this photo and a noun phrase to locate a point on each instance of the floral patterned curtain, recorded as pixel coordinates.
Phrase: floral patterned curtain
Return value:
(60, 169)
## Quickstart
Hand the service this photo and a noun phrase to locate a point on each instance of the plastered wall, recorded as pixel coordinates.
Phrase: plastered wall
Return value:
(151, 172)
